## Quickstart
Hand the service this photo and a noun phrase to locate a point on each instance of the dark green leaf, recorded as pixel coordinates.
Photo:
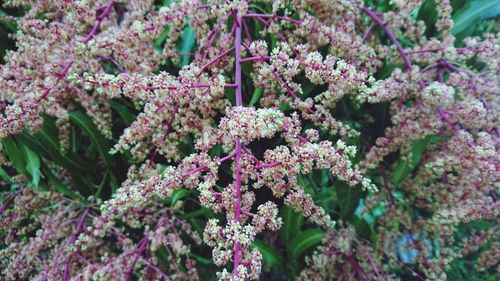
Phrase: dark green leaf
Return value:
(348, 199)
(474, 12)
(305, 240)
(292, 224)
(429, 14)
(102, 144)
(404, 168)
(60, 186)
(5, 176)
(46, 144)
(188, 39)
(14, 154)
(178, 195)
(269, 254)
(200, 259)
(32, 164)
(257, 93)
(197, 213)
(125, 114)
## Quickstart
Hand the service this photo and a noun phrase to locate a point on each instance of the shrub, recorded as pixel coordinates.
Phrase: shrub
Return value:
(238, 140)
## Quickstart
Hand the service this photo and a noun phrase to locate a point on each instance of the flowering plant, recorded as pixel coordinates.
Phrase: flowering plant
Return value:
(245, 140)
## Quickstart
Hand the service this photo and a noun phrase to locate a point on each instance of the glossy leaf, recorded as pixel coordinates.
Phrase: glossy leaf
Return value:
(473, 12)
(305, 240)
(292, 224)
(257, 93)
(125, 114)
(10, 147)
(32, 164)
(188, 40)
(102, 144)
(404, 168)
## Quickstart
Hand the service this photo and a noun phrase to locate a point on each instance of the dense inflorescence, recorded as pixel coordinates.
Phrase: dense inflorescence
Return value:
(247, 155)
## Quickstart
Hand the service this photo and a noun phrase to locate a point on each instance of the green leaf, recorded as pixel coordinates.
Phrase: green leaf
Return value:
(102, 144)
(474, 12)
(197, 213)
(429, 14)
(178, 195)
(200, 259)
(32, 164)
(161, 39)
(305, 240)
(9, 24)
(5, 176)
(45, 143)
(292, 224)
(188, 39)
(401, 171)
(404, 168)
(230, 94)
(61, 187)
(270, 255)
(257, 93)
(12, 151)
(125, 114)
(348, 199)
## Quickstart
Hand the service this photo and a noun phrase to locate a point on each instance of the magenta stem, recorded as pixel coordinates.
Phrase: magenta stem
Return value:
(97, 24)
(460, 50)
(272, 17)
(6, 203)
(164, 136)
(267, 165)
(247, 151)
(60, 76)
(72, 239)
(172, 88)
(256, 58)
(391, 36)
(229, 156)
(238, 168)
(216, 59)
(247, 32)
(248, 214)
(447, 119)
(141, 247)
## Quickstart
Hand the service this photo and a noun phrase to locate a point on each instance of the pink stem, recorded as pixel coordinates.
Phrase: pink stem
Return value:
(247, 32)
(97, 24)
(238, 168)
(7, 202)
(272, 17)
(165, 134)
(247, 151)
(72, 239)
(216, 59)
(248, 214)
(229, 156)
(141, 247)
(60, 76)
(257, 58)
(172, 88)
(460, 50)
(267, 165)
(391, 36)
(447, 119)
